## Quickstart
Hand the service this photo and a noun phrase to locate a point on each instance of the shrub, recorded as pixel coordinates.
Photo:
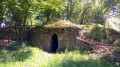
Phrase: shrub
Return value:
(112, 31)
(117, 42)
(97, 33)
(15, 47)
(117, 52)
(108, 40)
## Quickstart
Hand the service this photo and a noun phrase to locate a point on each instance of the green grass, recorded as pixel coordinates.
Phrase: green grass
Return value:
(27, 56)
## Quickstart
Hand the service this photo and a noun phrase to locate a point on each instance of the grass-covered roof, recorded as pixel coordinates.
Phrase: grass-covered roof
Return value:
(61, 24)
(57, 23)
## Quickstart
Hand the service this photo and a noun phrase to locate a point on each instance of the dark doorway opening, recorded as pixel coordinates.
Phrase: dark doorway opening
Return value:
(54, 43)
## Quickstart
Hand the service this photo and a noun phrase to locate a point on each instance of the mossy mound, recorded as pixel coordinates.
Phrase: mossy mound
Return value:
(61, 24)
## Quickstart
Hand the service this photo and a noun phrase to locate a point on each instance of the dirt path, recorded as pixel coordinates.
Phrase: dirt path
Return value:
(100, 48)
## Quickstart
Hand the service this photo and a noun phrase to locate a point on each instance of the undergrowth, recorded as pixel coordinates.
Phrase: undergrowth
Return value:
(117, 42)
(28, 56)
(117, 52)
(100, 34)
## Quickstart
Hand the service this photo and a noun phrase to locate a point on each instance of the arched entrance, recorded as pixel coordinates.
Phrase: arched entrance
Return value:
(54, 43)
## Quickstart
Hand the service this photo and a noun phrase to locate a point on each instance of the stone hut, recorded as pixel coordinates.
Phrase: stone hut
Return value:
(59, 35)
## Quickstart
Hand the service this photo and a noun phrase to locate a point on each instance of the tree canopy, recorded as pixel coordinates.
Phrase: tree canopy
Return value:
(21, 13)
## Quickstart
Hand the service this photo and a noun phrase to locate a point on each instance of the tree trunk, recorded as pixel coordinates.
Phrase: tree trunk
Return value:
(31, 21)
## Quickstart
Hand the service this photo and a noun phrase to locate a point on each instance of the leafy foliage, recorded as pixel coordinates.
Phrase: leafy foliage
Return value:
(117, 42)
(117, 52)
(97, 33)
(78, 11)
(51, 9)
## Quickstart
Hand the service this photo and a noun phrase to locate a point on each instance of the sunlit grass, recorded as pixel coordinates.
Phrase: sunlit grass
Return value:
(27, 56)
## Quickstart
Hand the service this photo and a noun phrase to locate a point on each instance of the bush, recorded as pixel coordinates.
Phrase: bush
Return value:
(15, 47)
(97, 33)
(108, 40)
(116, 52)
(112, 31)
(117, 42)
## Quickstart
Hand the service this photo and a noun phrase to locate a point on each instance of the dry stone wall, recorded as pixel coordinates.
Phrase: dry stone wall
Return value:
(68, 38)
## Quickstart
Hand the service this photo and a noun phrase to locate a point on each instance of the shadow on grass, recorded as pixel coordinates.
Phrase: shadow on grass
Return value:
(73, 51)
(84, 61)
(14, 53)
